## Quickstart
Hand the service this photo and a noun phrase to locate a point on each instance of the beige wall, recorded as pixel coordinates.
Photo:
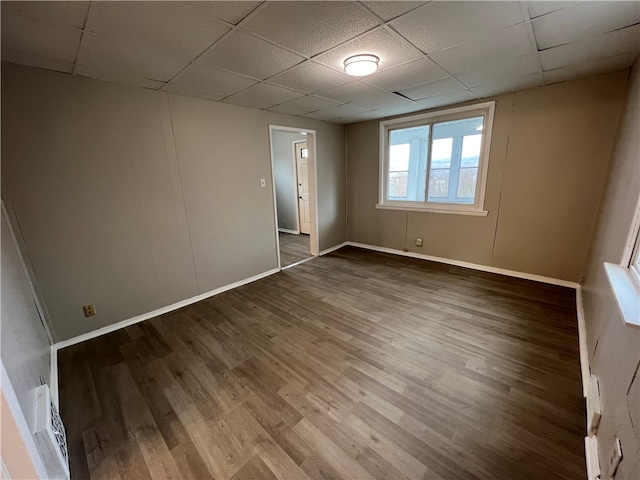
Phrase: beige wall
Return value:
(614, 349)
(549, 156)
(132, 199)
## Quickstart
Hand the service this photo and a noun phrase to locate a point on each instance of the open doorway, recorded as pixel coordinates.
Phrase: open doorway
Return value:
(293, 170)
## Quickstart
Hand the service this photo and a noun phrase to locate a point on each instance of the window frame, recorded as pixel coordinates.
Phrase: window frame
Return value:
(486, 110)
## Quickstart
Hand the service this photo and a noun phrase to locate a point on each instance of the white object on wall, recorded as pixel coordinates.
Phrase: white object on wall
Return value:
(593, 406)
(50, 434)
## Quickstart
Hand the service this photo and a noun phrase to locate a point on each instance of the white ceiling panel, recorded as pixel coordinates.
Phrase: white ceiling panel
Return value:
(137, 23)
(407, 75)
(383, 101)
(626, 40)
(228, 11)
(108, 53)
(584, 21)
(35, 61)
(399, 109)
(310, 77)
(73, 14)
(509, 85)
(307, 104)
(439, 25)
(38, 38)
(336, 112)
(190, 92)
(310, 27)
(502, 45)
(387, 45)
(115, 76)
(539, 8)
(263, 96)
(513, 68)
(388, 10)
(209, 79)
(432, 89)
(609, 64)
(350, 92)
(448, 99)
(260, 59)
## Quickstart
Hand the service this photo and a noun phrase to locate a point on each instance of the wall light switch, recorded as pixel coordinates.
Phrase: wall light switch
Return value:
(418, 242)
(89, 310)
(263, 183)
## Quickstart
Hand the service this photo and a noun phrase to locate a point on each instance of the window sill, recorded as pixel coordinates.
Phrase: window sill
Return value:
(417, 208)
(626, 291)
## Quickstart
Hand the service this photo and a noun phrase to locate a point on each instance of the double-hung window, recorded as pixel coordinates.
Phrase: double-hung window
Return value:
(436, 161)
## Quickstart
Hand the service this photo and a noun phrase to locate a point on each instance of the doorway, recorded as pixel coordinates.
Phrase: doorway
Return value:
(294, 175)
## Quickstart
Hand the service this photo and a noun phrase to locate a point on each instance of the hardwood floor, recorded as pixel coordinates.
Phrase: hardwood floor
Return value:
(293, 248)
(355, 365)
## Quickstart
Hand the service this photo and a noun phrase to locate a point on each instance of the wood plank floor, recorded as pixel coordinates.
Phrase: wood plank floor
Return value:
(293, 248)
(355, 365)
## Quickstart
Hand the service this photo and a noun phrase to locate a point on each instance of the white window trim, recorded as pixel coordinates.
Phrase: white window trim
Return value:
(624, 278)
(477, 208)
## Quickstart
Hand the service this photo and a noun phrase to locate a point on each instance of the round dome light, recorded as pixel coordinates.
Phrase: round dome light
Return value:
(361, 65)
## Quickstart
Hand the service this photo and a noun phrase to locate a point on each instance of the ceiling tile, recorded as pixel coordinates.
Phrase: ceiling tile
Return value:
(336, 112)
(496, 48)
(35, 37)
(307, 104)
(432, 89)
(115, 76)
(351, 91)
(259, 59)
(538, 8)
(509, 85)
(35, 61)
(161, 26)
(310, 77)
(384, 101)
(263, 96)
(209, 79)
(107, 53)
(231, 12)
(389, 10)
(73, 14)
(446, 100)
(516, 67)
(439, 25)
(190, 92)
(387, 45)
(407, 75)
(310, 27)
(602, 65)
(626, 40)
(583, 21)
(400, 109)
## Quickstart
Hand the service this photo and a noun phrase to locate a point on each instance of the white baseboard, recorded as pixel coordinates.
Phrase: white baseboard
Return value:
(53, 376)
(582, 338)
(146, 316)
(285, 230)
(333, 249)
(473, 266)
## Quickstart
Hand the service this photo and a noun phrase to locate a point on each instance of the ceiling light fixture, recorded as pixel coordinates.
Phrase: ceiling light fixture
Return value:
(361, 65)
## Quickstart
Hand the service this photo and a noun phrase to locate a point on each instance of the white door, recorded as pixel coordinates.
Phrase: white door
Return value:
(302, 164)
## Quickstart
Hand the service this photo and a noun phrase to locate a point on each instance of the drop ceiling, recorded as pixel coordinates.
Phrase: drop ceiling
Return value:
(287, 57)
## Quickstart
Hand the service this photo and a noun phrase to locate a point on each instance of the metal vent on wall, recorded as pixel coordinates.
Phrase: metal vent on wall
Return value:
(50, 435)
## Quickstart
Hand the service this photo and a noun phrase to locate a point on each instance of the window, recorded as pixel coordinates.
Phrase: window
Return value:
(436, 162)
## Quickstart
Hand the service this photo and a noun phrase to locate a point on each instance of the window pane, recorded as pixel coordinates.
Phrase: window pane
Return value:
(439, 184)
(398, 183)
(471, 150)
(467, 181)
(441, 153)
(399, 157)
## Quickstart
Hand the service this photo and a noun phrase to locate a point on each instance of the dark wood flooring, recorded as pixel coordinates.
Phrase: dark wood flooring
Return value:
(355, 365)
(293, 248)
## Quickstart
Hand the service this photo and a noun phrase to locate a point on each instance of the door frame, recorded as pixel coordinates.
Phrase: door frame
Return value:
(297, 191)
(313, 190)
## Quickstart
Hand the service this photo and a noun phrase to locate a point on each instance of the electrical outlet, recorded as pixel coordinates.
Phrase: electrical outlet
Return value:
(418, 242)
(263, 183)
(89, 310)
(615, 456)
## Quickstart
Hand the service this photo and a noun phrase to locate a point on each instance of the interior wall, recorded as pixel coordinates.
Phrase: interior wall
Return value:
(285, 177)
(24, 344)
(549, 156)
(614, 349)
(134, 199)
